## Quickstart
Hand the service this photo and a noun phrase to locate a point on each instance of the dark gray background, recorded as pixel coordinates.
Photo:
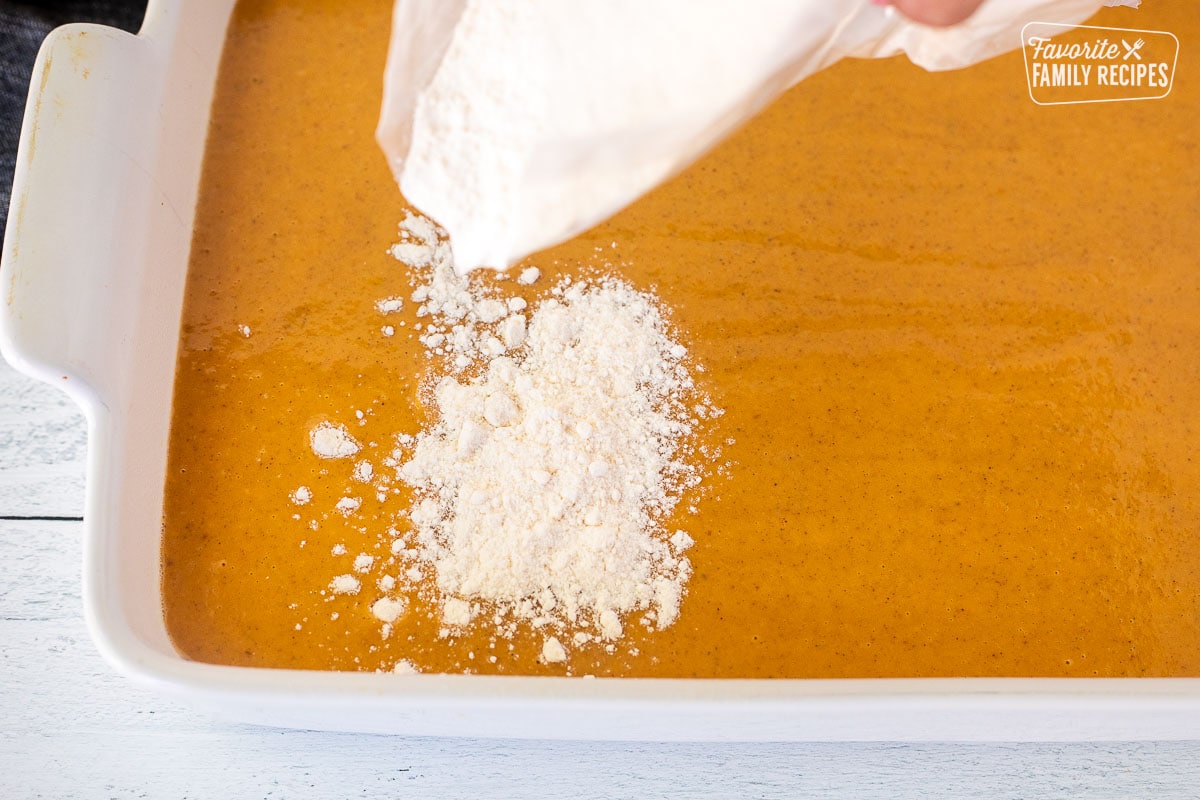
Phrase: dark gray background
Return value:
(23, 26)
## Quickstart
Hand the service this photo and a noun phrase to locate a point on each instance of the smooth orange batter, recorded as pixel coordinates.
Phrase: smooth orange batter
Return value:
(956, 335)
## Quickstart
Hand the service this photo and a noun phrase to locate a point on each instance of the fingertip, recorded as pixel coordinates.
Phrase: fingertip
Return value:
(937, 13)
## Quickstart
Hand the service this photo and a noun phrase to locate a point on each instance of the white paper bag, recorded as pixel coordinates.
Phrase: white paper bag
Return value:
(516, 124)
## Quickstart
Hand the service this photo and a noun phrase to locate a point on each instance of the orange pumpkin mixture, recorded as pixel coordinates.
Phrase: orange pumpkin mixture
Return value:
(956, 336)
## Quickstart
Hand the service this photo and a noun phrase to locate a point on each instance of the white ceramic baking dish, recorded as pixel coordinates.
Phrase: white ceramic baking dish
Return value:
(93, 273)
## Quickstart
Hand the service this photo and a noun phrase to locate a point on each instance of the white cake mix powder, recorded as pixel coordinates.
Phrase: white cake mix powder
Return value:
(545, 479)
(562, 438)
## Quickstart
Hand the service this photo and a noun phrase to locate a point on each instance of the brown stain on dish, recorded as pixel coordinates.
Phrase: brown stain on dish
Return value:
(956, 336)
(18, 204)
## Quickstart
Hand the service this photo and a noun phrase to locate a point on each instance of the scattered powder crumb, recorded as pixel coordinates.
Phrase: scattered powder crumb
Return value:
(344, 584)
(610, 625)
(348, 505)
(409, 252)
(363, 471)
(456, 611)
(244, 330)
(389, 305)
(330, 440)
(512, 331)
(363, 562)
(339, 550)
(388, 609)
(405, 667)
(388, 330)
(681, 540)
(301, 495)
(489, 310)
(528, 276)
(553, 652)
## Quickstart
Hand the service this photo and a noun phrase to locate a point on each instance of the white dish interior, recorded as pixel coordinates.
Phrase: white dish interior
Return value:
(93, 274)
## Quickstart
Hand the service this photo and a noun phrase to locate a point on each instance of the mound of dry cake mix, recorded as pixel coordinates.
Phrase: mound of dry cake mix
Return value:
(561, 437)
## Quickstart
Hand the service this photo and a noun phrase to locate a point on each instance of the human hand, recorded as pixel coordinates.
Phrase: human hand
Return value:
(935, 12)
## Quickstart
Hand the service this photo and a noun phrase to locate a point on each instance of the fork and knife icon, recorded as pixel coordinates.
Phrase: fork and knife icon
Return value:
(1131, 50)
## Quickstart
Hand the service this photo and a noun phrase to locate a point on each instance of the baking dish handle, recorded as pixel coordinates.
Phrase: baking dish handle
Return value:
(81, 166)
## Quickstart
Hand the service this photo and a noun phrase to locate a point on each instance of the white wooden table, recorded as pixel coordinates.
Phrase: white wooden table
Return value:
(70, 727)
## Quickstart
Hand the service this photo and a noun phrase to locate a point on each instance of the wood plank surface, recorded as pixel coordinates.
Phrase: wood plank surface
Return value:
(43, 448)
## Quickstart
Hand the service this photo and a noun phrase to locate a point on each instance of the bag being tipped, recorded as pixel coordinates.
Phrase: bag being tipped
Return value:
(517, 125)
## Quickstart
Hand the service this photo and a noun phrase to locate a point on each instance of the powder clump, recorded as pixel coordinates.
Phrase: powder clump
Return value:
(329, 440)
(544, 479)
